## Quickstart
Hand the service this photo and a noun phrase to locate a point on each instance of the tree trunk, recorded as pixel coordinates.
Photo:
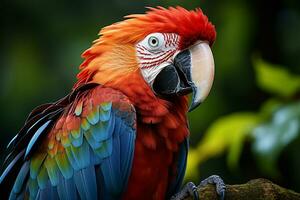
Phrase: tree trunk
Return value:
(257, 189)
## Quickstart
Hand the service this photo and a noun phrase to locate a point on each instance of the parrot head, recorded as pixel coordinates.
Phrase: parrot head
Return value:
(166, 49)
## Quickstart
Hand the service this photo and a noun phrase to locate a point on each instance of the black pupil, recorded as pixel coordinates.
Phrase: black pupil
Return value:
(153, 41)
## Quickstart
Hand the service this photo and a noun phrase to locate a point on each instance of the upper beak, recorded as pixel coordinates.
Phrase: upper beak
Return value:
(192, 71)
(202, 72)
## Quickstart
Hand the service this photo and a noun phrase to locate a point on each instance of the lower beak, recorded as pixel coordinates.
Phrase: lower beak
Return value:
(192, 71)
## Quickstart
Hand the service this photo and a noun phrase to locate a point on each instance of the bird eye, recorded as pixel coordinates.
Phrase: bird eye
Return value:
(153, 41)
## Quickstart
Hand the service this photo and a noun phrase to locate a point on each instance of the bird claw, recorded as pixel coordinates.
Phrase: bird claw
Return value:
(218, 182)
(190, 189)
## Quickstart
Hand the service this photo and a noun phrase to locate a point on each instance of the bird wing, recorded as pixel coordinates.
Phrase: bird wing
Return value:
(180, 165)
(80, 147)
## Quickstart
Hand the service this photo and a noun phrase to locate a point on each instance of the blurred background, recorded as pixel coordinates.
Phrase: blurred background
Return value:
(249, 127)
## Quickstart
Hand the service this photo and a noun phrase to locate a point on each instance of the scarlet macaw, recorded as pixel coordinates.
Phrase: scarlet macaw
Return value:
(122, 132)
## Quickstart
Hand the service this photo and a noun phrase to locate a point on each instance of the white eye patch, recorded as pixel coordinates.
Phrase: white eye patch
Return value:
(155, 52)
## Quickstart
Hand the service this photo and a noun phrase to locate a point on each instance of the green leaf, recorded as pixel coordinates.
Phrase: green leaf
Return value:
(227, 133)
(269, 107)
(276, 79)
(272, 137)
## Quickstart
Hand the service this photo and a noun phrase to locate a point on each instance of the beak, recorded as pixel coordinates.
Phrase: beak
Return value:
(191, 71)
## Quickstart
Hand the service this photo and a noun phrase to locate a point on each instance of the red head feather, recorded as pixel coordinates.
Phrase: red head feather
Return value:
(118, 40)
(190, 25)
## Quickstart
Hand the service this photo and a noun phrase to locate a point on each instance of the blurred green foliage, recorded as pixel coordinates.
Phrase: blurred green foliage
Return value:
(225, 134)
(247, 128)
(270, 130)
(271, 137)
(276, 79)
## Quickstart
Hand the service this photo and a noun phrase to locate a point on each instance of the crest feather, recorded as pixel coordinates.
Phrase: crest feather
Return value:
(190, 25)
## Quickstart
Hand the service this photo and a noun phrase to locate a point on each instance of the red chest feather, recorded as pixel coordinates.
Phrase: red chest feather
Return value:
(161, 128)
(155, 157)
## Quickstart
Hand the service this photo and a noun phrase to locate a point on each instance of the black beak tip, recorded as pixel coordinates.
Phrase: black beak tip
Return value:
(194, 105)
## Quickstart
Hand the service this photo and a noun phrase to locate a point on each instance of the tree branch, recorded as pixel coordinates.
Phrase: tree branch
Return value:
(257, 189)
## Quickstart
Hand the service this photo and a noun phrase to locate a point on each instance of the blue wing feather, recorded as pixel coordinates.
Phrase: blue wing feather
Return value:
(126, 147)
(66, 189)
(81, 155)
(85, 181)
(99, 156)
(79, 184)
(174, 186)
(90, 180)
(11, 165)
(111, 169)
(36, 137)
(21, 178)
(49, 193)
(70, 189)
